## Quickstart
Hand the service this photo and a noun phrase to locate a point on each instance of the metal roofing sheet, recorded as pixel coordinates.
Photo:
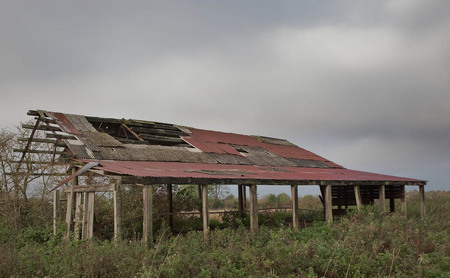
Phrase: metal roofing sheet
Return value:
(216, 171)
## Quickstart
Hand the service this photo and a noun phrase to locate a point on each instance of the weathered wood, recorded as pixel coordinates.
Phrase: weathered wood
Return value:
(69, 213)
(42, 127)
(118, 209)
(392, 204)
(38, 151)
(403, 201)
(84, 225)
(35, 127)
(205, 211)
(244, 196)
(37, 174)
(132, 132)
(56, 208)
(170, 205)
(294, 198)
(90, 215)
(357, 196)
(240, 201)
(382, 198)
(78, 216)
(91, 188)
(253, 208)
(147, 194)
(422, 200)
(328, 205)
(60, 136)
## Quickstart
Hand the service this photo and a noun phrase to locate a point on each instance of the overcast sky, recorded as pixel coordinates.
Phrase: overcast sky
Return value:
(365, 84)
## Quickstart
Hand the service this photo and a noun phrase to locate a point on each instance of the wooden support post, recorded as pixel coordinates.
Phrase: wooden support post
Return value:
(90, 215)
(84, 225)
(253, 208)
(244, 196)
(169, 206)
(148, 214)
(118, 209)
(392, 204)
(69, 213)
(56, 206)
(294, 197)
(240, 201)
(328, 205)
(78, 217)
(403, 200)
(199, 187)
(205, 211)
(357, 196)
(382, 198)
(422, 200)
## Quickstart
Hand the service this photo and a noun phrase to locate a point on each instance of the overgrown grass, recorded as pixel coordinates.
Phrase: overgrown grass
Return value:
(363, 244)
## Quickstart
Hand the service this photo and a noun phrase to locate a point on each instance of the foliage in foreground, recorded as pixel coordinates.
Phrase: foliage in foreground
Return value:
(365, 244)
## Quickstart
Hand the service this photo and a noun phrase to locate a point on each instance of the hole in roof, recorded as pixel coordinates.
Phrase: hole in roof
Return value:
(140, 132)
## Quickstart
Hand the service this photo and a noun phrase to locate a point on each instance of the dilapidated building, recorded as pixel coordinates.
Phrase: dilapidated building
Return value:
(146, 153)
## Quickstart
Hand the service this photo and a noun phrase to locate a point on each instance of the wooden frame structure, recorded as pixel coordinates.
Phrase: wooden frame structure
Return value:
(145, 154)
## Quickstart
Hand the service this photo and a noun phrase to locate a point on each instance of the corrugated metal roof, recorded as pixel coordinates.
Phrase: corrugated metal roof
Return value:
(240, 172)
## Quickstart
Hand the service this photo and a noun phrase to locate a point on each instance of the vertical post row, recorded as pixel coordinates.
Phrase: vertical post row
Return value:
(253, 208)
(328, 205)
(422, 200)
(358, 196)
(382, 198)
(118, 209)
(56, 205)
(294, 197)
(205, 211)
(403, 200)
(147, 196)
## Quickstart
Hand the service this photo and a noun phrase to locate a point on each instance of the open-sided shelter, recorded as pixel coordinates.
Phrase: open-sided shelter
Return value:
(149, 153)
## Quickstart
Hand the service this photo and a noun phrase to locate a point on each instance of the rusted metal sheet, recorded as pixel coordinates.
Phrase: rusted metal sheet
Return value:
(64, 123)
(243, 172)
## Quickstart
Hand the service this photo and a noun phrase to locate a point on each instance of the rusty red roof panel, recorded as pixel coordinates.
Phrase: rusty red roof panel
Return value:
(64, 123)
(216, 171)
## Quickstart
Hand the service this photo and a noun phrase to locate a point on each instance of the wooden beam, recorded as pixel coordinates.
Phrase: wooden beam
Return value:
(56, 207)
(357, 196)
(328, 205)
(147, 194)
(37, 151)
(294, 198)
(43, 127)
(91, 188)
(205, 211)
(78, 216)
(403, 201)
(132, 132)
(253, 208)
(244, 196)
(382, 198)
(118, 209)
(422, 200)
(60, 136)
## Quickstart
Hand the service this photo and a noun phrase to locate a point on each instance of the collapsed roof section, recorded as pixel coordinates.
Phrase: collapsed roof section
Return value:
(168, 153)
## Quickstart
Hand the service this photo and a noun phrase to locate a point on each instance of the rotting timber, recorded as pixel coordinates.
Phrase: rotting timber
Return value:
(146, 154)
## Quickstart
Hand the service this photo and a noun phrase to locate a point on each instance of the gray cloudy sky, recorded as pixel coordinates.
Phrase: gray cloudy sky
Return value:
(365, 84)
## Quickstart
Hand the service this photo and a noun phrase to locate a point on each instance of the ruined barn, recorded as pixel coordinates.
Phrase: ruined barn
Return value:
(146, 153)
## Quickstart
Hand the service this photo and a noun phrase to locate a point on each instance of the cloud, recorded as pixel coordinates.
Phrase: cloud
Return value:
(363, 84)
